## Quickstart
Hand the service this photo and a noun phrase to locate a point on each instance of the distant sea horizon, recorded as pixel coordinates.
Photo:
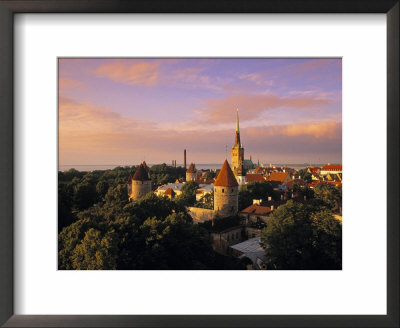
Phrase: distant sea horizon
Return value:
(103, 167)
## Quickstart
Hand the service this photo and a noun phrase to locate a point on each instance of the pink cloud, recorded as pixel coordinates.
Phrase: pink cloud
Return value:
(66, 84)
(319, 130)
(141, 73)
(223, 110)
(94, 134)
(315, 64)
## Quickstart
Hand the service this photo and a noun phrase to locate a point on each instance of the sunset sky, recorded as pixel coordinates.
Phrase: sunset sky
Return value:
(124, 111)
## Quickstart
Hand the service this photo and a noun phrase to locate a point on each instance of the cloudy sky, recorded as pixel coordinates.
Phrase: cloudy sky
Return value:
(124, 111)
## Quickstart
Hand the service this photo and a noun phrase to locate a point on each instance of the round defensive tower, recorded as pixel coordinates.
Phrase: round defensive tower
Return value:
(191, 173)
(226, 192)
(141, 183)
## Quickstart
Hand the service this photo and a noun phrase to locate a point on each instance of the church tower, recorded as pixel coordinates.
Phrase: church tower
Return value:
(238, 155)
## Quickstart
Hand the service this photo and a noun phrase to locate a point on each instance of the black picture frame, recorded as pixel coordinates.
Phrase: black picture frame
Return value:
(10, 7)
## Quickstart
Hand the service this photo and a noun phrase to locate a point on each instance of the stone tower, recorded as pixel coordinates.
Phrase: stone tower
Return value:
(191, 173)
(238, 155)
(226, 192)
(141, 183)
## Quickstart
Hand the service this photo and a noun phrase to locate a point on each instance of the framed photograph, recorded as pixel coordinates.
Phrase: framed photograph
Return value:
(183, 164)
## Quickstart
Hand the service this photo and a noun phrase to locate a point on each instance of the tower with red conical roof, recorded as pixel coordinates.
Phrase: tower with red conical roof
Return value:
(226, 191)
(191, 173)
(141, 183)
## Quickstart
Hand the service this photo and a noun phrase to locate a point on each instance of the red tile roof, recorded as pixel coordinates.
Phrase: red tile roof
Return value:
(257, 209)
(332, 168)
(258, 170)
(191, 169)
(226, 178)
(169, 191)
(254, 177)
(278, 176)
(301, 182)
(141, 174)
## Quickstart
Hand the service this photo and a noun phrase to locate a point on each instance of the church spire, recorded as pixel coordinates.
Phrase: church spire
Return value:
(237, 137)
(237, 120)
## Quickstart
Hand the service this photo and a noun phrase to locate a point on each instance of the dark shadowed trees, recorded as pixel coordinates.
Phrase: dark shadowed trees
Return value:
(153, 233)
(254, 190)
(299, 237)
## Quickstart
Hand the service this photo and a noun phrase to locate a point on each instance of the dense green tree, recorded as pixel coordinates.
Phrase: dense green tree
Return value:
(96, 252)
(301, 236)
(84, 195)
(71, 236)
(305, 175)
(101, 189)
(102, 229)
(163, 173)
(152, 206)
(65, 203)
(174, 243)
(188, 194)
(254, 190)
(207, 201)
(118, 194)
(69, 175)
(331, 195)
(153, 233)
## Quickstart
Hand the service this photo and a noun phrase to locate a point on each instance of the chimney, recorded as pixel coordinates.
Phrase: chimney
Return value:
(305, 197)
(272, 207)
(299, 177)
(257, 201)
(292, 195)
(293, 177)
(184, 158)
(282, 197)
(269, 198)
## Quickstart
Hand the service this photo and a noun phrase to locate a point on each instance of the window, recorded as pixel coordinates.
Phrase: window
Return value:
(227, 238)
(232, 190)
(222, 190)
